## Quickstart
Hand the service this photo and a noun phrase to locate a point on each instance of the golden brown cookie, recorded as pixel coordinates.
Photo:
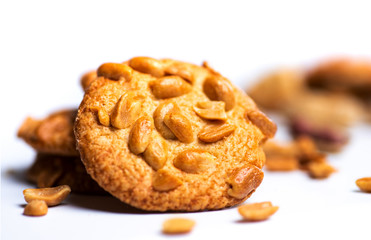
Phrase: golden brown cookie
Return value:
(52, 170)
(168, 135)
(343, 75)
(52, 135)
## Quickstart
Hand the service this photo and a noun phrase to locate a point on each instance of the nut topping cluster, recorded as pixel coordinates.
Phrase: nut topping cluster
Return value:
(174, 80)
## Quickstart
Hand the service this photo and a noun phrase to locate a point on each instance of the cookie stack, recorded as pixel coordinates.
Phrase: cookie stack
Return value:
(158, 135)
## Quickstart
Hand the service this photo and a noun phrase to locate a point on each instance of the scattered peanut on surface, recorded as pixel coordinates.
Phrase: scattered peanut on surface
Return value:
(52, 196)
(364, 184)
(36, 208)
(177, 226)
(257, 211)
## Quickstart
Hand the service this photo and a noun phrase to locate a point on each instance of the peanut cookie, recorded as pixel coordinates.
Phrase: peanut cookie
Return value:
(168, 135)
(52, 170)
(52, 135)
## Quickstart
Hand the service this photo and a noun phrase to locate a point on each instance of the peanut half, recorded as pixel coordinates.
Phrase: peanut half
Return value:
(195, 161)
(158, 116)
(364, 184)
(257, 211)
(126, 111)
(156, 153)
(320, 170)
(259, 119)
(169, 87)
(182, 70)
(163, 180)
(180, 126)
(140, 135)
(215, 132)
(147, 65)
(115, 71)
(244, 180)
(218, 89)
(52, 196)
(36, 208)
(211, 110)
(177, 226)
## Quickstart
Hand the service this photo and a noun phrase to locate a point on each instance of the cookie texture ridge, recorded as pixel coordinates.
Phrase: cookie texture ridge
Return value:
(178, 136)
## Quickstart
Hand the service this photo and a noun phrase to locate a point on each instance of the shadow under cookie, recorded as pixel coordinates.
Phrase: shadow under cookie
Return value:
(53, 170)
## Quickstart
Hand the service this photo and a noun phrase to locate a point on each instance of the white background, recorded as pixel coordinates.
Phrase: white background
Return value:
(45, 46)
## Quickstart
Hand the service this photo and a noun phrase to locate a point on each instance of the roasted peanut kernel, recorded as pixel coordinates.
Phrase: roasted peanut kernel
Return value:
(169, 87)
(195, 161)
(164, 181)
(147, 65)
(52, 196)
(244, 180)
(218, 89)
(158, 116)
(215, 132)
(115, 71)
(177, 225)
(364, 184)
(156, 153)
(320, 170)
(140, 135)
(87, 79)
(180, 126)
(103, 117)
(36, 208)
(126, 111)
(182, 70)
(257, 211)
(212, 110)
(259, 119)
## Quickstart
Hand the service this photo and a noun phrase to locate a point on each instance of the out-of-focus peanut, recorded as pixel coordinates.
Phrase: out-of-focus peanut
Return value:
(115, 71)
(364, 184)
(257, 211)
(182, 70)
(147, 65)
(177, 226)
(259, 119)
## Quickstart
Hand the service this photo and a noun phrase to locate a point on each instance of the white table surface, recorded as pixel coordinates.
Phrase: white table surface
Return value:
(45, 46)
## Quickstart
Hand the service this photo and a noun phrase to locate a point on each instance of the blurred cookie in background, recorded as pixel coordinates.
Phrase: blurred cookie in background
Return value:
(53, 170)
